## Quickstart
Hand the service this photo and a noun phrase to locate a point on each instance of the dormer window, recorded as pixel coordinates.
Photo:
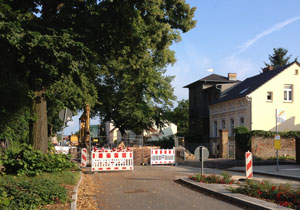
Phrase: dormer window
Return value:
(269, 96)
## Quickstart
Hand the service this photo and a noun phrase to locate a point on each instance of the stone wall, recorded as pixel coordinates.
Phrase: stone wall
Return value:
(263, 147)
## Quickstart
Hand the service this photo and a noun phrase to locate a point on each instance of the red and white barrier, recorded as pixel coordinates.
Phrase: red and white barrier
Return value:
(110, 160)
(162, 156)
(249, 165)
(83, 157)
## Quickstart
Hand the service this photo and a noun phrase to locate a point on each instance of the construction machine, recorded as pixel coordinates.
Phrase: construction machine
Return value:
(84, 132)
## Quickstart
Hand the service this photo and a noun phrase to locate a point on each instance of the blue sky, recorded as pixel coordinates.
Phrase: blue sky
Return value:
(234, 36)
(231, 36)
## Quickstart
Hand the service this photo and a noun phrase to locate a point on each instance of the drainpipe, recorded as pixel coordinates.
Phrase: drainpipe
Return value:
(249, 99)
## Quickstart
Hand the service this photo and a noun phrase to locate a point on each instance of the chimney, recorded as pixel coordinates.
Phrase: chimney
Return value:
(232, 76)
(267, 68)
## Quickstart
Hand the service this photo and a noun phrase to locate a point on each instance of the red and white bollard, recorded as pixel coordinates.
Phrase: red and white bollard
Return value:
(249, 165)
(83, 157)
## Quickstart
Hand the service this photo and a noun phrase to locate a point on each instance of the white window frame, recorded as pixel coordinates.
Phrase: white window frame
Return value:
(288, 93)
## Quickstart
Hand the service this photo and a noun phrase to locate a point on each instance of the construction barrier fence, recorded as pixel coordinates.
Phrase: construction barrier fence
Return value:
(162, 156)
(112, 160)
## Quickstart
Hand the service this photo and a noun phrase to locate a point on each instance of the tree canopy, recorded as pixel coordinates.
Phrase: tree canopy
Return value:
(180, 117)
(279, 58)
(108, 53)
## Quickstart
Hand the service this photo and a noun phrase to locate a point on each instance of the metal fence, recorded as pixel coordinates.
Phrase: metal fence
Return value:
(214, 149)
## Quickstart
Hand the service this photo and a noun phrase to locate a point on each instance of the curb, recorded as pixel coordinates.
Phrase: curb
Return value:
(220, 192)
(74, 194)
(288, 177)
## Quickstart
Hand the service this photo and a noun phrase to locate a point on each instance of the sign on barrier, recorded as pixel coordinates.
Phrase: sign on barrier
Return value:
(249, 165)
(162, 156)
(110, 160)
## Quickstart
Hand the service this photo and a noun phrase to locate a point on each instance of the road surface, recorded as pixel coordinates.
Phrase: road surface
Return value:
(151, 187)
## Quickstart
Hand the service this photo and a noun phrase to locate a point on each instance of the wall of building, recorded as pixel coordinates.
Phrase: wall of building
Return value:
(198, 112)
(234, 109)
(263, 117)
(262, 147)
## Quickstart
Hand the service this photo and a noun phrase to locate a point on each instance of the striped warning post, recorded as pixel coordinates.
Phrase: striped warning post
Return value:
(83, 157)
(162, 156)
(249, 165)
(112, 160)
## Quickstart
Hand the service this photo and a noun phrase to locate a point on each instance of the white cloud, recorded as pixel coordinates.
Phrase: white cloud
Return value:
(266, 32)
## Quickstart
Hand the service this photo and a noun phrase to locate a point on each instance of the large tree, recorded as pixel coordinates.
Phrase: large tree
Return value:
(279, 58)
(135, 92)
(38, 53)
(119, 46)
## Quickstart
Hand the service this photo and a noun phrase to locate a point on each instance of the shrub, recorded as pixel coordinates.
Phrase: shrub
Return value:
(32, 162)
(165, 143)
(29, 194)
(282, 195)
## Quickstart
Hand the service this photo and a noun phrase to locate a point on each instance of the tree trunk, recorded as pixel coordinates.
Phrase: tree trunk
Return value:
(39, 125)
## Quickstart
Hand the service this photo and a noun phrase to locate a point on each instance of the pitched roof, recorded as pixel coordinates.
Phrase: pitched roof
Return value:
(212, 78)
(250, 84)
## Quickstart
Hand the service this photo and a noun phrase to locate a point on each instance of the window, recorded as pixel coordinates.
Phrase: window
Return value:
(215, 128)
(269, 96)
(296, 72)
(231, 126)
(288, 93)
(223, 124)
(242, 123)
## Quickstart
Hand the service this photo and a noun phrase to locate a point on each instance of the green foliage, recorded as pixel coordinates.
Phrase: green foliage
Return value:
(23, 193)
(279, 58)
(14, 124)
(134, 92)
(224, 178)
(66, 93)
(242, 138)
(282, 195)
(75, 50)
(287, 134)
(165, 143)
(180, 117)
(32, 162)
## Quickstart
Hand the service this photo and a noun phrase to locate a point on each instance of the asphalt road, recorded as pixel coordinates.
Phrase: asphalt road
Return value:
(151, 187)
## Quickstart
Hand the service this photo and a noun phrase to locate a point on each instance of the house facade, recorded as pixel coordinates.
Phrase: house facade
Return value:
(202, 93)
(253, 102)
(113, 134)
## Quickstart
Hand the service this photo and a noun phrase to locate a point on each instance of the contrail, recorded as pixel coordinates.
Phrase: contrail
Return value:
(268, 31)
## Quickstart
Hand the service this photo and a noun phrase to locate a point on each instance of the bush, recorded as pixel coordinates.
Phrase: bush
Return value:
(165, 143)
(282, 195)
(29, 194)
(32, 162)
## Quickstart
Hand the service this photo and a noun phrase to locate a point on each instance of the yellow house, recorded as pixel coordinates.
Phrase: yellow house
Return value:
(253, 102)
